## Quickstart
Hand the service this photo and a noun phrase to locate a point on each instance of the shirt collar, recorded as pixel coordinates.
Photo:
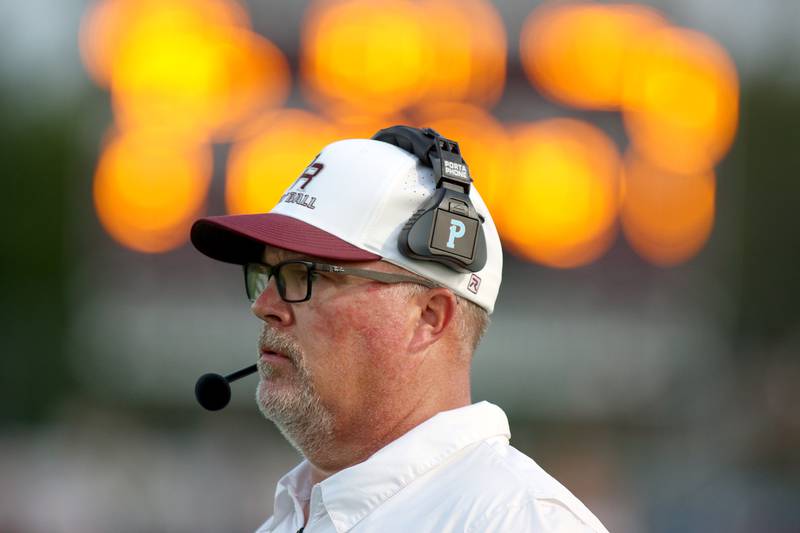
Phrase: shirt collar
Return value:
(351, 494)
(292, 491)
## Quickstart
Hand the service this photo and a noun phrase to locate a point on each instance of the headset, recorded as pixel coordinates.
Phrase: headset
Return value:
(446, 229)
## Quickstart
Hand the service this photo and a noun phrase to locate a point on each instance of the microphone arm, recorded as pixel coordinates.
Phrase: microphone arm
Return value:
(239, 374)
(214, 391)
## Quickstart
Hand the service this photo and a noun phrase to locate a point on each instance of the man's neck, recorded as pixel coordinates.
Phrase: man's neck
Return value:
(356, 449)
(319, 474)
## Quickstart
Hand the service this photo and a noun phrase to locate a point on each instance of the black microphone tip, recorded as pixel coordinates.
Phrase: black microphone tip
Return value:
(212, 391)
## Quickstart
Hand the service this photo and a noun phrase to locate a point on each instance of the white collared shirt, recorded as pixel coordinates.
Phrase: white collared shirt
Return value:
(455, 472)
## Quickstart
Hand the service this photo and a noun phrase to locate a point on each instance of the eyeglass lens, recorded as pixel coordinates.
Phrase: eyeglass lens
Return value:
(292, 280)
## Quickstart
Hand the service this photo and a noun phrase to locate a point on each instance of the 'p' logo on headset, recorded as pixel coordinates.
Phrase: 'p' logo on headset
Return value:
(457, 230)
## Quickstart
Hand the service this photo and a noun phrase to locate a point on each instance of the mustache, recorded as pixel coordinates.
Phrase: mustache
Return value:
(278, 342)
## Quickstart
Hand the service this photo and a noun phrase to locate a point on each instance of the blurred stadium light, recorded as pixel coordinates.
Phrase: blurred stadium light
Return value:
(467, 65)
(183, 66)
(108, 26)
(369, 56)
(666, 217)
(149, 188)
(681, 100)
(577, 53)
(566, 182)
(196, 69)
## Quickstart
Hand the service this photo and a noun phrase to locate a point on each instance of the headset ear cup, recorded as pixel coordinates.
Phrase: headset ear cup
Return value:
(416, 233)
(429, 235)
(446, 229)
(479, 260)
(419, 235)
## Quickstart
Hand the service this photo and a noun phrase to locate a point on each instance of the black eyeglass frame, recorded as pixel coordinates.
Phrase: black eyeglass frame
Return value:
(313, 266)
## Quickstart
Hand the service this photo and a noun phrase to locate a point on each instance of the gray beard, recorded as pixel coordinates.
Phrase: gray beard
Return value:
(297, 412)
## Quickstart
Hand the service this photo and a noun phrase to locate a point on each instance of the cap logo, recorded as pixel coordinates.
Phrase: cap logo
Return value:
(298, 198)
(309, 174)
(474, 284)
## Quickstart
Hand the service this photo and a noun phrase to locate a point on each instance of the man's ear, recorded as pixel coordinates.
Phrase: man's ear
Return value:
(437, 309)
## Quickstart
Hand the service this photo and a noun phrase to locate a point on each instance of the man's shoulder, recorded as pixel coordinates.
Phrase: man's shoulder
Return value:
(504, 484)
(496, 464)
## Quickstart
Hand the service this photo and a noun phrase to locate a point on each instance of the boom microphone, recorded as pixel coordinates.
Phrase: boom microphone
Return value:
(214, 391)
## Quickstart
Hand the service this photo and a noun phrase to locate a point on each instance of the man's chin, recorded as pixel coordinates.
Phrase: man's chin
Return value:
(277, 387)
(278, 399)
(268, 394)
(305, 424)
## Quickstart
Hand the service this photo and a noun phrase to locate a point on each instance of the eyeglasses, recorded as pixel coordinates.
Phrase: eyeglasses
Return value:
(294, 278)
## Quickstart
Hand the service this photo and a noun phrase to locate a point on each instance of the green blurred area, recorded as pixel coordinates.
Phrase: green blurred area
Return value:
(43, 164)
(768, 150)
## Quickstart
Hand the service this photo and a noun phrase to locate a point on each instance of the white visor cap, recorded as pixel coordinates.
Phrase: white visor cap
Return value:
(350, 204)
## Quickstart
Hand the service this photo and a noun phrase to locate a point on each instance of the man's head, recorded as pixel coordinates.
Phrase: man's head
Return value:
(359, 351)
(382, 335)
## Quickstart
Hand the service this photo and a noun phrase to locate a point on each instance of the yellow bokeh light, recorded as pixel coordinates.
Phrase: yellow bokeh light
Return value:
(270, 155)
(106, 26)
(186, 66)
(681, 100)
(198, 83)
(577, 53)
(483, 141)
(467, 65)
(366, 55)
(565, 189)
(666, 217)
(148, 189)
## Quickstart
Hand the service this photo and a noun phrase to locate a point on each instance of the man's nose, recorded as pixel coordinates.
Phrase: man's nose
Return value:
(270, 307)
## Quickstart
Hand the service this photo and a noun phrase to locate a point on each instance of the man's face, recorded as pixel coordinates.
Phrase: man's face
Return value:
(329, 364)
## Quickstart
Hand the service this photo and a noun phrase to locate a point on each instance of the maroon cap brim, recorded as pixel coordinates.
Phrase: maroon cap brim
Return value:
(241, 238)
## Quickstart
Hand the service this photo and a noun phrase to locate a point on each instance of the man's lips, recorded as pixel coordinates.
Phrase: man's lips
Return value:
(273, 356)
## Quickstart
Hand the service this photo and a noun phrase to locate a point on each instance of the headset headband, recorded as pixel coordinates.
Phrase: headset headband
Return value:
(446, 228)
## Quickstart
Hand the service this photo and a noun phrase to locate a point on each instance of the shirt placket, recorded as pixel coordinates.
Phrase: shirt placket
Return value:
(316, 512)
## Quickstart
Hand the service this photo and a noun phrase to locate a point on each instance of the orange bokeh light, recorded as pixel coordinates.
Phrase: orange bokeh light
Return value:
(148, 189)
(681, 100)
(366, 55)
(467, 65)
(351, 124)
(666, 217)
(184, 66)
(270, 155)
(576, 53)
(483, 141)
(565, 189)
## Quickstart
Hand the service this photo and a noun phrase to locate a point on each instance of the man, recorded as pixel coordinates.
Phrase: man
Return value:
(367, 340)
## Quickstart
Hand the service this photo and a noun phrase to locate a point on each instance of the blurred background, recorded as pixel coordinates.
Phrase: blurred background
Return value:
(640, 159)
